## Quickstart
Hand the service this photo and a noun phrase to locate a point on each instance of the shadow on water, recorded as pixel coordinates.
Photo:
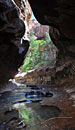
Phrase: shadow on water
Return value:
(23, 108)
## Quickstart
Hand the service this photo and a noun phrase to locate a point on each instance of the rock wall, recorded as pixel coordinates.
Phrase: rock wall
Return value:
(38, 29)
(25, 9)
(25, 13)
(12, 48)
(60, 16)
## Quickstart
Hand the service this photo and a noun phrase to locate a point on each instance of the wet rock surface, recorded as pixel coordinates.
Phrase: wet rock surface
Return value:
(56, 112)
(60, 16)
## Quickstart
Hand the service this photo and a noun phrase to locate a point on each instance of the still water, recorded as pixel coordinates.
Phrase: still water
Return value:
(27, 108)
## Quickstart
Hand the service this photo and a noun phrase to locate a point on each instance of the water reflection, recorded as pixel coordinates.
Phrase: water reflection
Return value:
(34, 114)
(37, 94)
(23, 108)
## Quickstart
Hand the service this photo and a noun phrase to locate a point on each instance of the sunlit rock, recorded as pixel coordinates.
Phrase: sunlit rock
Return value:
(25, 14)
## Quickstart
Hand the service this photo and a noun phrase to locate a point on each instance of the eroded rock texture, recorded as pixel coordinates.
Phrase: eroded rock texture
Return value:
(60, 16)
(12, 29)
(25, 9)
(25, 13)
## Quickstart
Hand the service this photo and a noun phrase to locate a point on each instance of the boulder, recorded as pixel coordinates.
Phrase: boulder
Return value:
(39, 76)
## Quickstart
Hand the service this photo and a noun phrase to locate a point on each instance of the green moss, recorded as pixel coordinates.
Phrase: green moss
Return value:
(36, 57)
(25, 114)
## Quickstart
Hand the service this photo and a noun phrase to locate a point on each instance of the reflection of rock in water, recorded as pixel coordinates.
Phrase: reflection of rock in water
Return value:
(34, 114)
(5, 94)
(33, 87)
(11, 121)
(13, 124)
(27, 101)
(47, 112)
(37, 94)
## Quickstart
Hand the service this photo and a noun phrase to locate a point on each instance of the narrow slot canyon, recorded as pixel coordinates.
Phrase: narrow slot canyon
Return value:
(37, 65)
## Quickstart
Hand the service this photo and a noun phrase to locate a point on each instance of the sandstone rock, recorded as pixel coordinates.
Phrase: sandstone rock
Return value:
(38, 29)
(25, 9)
(41, 75)
(60, 16)
(12, 28)
(25, 13)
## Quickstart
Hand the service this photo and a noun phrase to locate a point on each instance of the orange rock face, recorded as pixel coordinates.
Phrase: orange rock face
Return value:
(25, 10)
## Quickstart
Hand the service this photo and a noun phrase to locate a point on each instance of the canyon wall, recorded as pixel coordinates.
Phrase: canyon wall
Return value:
(12, 47)
(60, 16)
